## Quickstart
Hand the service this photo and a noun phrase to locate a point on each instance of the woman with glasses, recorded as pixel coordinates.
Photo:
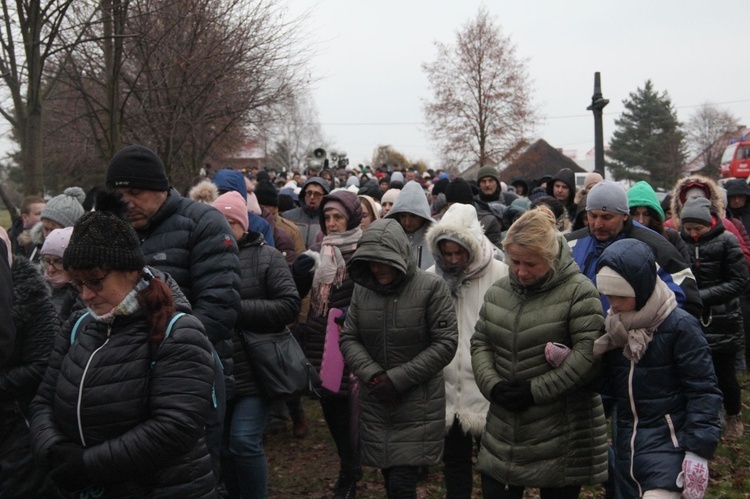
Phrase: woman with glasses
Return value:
(123, 404)
(64, 295)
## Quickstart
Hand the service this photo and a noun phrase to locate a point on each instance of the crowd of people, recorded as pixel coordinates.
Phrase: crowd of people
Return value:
(479, 322)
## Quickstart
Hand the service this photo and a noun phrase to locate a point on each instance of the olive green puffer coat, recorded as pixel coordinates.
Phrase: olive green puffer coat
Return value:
(407, 329)
(561, 439)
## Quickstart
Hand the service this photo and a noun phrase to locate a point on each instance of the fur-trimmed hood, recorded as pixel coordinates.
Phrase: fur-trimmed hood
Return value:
(30, 290)
(684, 184)
(460, 225)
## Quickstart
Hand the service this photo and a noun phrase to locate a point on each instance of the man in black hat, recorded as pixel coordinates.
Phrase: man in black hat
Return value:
(190, 241)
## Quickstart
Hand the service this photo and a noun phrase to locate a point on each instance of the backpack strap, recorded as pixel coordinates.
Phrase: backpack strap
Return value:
(84, 318)
(166, 334)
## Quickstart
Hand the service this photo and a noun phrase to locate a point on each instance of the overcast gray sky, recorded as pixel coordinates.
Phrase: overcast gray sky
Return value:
(370, 86)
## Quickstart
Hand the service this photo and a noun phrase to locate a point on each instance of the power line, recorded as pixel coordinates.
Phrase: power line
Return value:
(561, 117)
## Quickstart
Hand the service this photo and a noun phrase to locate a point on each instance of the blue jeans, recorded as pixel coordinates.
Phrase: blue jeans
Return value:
(244, 467)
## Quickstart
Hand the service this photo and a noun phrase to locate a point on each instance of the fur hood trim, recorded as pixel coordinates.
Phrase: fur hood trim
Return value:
(204, 191)
(716, 198)
(460, 225)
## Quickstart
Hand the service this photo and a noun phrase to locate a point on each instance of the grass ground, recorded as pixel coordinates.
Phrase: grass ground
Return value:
(309, 467)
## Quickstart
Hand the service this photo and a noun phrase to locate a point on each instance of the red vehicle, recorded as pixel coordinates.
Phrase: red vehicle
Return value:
(735, 162)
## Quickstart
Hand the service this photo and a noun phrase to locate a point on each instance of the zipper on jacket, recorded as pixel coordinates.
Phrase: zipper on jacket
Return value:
(80, 385)
(635, 426)
(672, 433)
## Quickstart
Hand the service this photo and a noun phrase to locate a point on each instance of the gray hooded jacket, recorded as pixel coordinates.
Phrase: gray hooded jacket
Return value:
(413, 200)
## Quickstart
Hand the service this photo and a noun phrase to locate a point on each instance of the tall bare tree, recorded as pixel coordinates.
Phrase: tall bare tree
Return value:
(192, 78)
(481, 95)
(29, 37)
(705, 130)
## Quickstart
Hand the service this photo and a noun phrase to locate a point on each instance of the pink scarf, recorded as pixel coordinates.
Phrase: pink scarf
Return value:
(332, 269)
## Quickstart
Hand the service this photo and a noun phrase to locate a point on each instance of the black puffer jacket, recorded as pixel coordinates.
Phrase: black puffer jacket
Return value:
(193, 243)
(268, 299)
(36, 325)
(141, 426)
(721, 273)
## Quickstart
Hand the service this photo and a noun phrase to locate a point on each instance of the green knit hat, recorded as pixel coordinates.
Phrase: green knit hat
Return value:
(642, 194)
(488, 171)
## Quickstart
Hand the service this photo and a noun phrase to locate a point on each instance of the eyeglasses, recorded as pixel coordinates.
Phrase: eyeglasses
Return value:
(94, 285)
(313, 194)
(55, 264)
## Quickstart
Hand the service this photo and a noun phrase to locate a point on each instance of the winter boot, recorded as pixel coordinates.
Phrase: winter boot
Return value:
(345, 488)
(734, 429)
(299, 428)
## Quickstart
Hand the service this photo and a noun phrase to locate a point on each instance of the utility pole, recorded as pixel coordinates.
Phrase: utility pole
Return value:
(597, 105)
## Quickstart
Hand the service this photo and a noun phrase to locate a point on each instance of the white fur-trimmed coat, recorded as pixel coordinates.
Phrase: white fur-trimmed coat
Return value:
(463, 400)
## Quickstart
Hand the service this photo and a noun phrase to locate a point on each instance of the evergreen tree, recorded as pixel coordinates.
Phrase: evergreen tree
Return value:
(648, 143)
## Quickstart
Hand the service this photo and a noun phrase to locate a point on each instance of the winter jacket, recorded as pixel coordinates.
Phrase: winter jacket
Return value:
(7, 329)
(268, 301)
(569, 177)
(36, 324)
(193, 243)
(717, 206)
(340, 296)
(282, 240)
(141, 425)
(307, 221)
(673, 270)
(463, 400)
(667, 403)
(408, 330)
(738, 187)
(561, 439)
(413, 200)
(64, 300)
(719, 267)
(228, 180)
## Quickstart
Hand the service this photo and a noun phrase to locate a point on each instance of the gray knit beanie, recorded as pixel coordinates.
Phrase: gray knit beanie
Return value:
(66, 208)
(697, 210)
(608, 196)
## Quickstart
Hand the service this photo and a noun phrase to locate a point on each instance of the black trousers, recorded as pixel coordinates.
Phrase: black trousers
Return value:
(401, 482)
(459, 450)
(337, 413)
(727, 376)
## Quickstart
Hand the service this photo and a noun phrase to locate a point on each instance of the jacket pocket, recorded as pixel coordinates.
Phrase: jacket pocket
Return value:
(672, 433)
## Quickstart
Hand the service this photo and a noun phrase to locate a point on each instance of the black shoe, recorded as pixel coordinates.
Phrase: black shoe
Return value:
(345, 488)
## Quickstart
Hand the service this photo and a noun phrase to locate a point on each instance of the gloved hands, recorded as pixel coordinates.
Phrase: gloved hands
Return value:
(513, 395)
(381, 389)
(303, 264)
(694, 476)
(67, 468)
(342, 318)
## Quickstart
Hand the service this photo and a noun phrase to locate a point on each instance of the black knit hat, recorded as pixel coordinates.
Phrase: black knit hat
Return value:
(137, 167)
(459, 191)
(266, 193)
(103, 239)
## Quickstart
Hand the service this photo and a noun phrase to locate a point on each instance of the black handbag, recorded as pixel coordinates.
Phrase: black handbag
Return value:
(282, 370)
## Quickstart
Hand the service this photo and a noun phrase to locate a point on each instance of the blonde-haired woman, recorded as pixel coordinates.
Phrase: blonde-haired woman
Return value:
(544, 428)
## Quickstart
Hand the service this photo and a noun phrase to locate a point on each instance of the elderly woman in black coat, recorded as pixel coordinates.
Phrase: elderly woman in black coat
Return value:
(122, 407)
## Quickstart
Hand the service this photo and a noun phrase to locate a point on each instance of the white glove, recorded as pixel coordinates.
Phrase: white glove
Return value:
(694, 476)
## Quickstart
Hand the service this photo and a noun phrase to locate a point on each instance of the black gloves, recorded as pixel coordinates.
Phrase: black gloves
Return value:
(342, 318)
(303, 264)
(513, 395)
(68, 471)
(381, 389)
